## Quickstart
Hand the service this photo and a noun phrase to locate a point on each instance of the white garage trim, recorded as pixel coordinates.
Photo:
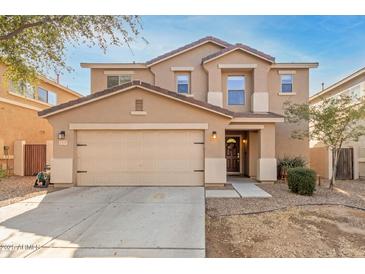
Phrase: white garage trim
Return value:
(136, 126)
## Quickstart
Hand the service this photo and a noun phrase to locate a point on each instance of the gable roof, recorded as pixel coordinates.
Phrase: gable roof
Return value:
(54, 83)
(235, 47)
(187, 47)
(335, 85)
(127, 86)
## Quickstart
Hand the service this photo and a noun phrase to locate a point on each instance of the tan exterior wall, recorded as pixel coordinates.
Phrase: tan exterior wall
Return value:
(285, 145)
(320, 161)
(248, 91)
(165, 78)
(355, 81)
(159, 109)
(324, 167)
(19, 116)
(99, 78)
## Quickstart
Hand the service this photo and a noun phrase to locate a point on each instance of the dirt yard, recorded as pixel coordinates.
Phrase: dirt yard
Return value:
(293, 225)
(310, 231)
(16, 188)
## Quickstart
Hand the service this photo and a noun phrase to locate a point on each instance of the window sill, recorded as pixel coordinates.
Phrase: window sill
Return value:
(187, 94)
(287, 93)
(138, 113)
(30, 99)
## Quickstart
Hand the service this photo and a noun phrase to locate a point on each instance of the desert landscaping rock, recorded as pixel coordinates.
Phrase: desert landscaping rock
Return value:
(309, 231)
(17, 188)
(350, 193)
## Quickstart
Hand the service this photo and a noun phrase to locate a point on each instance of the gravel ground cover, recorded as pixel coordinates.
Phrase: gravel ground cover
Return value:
(307, 231)
(16, 188)
(328, 224)
(350, 193)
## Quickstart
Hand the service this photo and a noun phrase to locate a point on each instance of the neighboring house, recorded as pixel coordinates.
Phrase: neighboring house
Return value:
(188, 117)
(20, 123)
(352, 157)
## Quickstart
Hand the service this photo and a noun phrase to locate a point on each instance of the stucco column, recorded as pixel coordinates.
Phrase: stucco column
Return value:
(1, 148)
(266, 164)
(19, 155)
(49, 151)
(215, 170)
(215, 93)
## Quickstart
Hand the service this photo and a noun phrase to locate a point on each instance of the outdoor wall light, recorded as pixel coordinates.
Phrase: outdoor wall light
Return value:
(244, 141)
(61, 135)
(214, 135)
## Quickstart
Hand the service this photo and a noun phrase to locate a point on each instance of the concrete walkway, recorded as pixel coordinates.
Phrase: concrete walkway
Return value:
(247, 187)
(250, 190)
(106, 222)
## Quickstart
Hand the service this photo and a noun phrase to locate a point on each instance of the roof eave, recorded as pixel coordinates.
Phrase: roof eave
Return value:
(149, 64)
(46, 113)
(308, 65)
(244, 50)
(113, 65)
(337, 84)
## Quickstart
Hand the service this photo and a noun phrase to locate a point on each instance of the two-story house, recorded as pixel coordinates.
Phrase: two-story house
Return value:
(20, 125)
(351, 163)
(188, 117)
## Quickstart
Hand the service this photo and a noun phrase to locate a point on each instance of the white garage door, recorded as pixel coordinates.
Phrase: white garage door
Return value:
(145, 158)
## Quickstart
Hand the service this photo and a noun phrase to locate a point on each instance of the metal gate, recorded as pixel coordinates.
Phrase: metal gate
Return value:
(34, 159)
(345, 165)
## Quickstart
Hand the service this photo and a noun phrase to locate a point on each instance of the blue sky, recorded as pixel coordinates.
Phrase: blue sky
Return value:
(336, 42)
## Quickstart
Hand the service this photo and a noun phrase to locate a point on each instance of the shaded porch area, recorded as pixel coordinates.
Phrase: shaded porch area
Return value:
(250, 152)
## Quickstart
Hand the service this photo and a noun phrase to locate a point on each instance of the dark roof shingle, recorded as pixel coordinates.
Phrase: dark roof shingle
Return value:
(157, 89)
(190, 45)
(115, 89)
(239, 46)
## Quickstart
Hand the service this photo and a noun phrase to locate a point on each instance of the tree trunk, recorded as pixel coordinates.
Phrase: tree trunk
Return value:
(335, 157)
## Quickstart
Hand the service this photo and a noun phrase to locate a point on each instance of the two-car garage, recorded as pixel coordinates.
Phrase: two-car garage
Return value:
(140, 157)
(107, 141)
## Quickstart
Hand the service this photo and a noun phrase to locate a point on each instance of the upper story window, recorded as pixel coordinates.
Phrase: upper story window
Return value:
(23, 88)
(236, 90)
(116, 80)
(46, 96)
(355, 93)
(183, 83)
(30, 92)
(286, 83)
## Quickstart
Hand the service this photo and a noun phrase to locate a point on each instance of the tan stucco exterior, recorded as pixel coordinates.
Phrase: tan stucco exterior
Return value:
(117, 108)
(19, 118)
(318, 149)
(267, 138)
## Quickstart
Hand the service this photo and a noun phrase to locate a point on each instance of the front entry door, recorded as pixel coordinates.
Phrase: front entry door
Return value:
(233, 154)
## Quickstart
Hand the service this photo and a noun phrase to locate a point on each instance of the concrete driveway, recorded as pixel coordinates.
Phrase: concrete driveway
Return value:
(106, 222)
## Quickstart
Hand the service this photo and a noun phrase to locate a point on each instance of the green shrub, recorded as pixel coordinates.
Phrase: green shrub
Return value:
(289, 162)
(2, 173)
(302, 180)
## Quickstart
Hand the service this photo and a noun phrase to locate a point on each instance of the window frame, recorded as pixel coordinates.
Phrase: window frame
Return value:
(188, 83)
(292, 83)
(38, 97)
(119, 79)
(55, 96)
(236, 90)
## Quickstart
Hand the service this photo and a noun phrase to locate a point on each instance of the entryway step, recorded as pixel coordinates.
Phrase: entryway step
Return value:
(221, 193)
(250, 190)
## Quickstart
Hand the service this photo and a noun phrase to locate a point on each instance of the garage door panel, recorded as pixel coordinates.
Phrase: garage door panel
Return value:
(161, 157)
